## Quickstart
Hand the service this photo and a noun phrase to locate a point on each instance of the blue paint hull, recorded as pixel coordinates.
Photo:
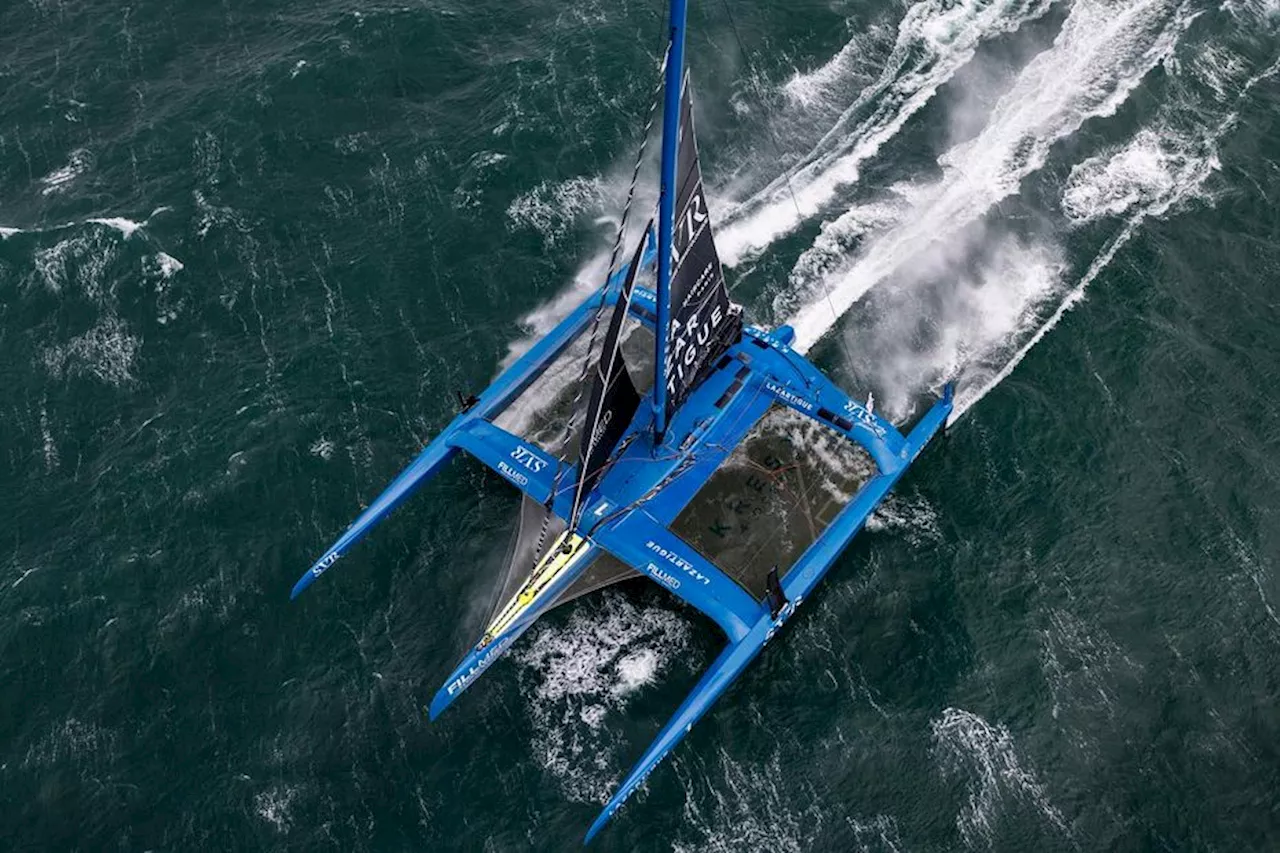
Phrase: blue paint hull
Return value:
(630, 511)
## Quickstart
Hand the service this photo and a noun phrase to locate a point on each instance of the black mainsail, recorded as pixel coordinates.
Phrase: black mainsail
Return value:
(703, 321)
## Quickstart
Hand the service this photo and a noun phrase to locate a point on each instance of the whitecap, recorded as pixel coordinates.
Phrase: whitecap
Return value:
(57, 180)
(635, 670)
(913, 518)
(576, 673)
(51, 457)
(1155, 165)
(551, 208)
(968, 744)
(168, 264)
(323, 448)
(106, 352)
(275, 807)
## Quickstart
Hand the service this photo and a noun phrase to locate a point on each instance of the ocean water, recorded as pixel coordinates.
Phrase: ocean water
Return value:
(248, 251)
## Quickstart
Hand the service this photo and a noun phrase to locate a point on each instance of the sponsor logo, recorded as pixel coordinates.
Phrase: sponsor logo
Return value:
(679, 562)
(689, 346)
(770, 339)
(695, 216)
(529, 459)
(788, 396)
(864, 417)
(601, 426)
(662, 577)
(478, 667)
(328, 560)
(513, 475)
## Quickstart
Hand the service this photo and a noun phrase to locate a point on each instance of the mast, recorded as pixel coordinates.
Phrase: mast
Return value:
(666, 206)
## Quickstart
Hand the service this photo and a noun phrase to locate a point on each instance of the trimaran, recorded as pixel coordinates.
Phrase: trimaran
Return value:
(624, 489)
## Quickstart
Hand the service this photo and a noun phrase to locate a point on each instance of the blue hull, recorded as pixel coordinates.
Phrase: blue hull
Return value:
(630, 511)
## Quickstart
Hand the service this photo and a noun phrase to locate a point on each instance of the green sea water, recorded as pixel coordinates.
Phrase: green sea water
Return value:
(248, 251)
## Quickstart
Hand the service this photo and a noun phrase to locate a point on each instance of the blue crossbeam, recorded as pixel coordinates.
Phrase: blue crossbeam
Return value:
(644, 544)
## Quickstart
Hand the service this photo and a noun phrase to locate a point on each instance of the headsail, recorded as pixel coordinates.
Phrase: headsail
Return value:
(703, 321)
(614, 400)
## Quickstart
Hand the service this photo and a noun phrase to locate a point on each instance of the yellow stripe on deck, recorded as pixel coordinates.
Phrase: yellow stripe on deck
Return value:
(566, 550)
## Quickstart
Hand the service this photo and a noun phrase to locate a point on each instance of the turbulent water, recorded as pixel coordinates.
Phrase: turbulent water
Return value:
(248, 251)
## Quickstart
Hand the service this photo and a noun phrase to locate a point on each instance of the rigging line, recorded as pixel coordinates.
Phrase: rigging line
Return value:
(606, 364)
(595, 323)
(786, 173)
(685, 464)
(617, 245)
(542, 536)
(571, 421)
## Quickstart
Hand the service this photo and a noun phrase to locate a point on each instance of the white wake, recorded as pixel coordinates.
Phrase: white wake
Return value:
(1100, 56)
(934, 41)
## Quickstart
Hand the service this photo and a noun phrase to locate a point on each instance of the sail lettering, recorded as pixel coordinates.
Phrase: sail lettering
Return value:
(689, 346)
(699, 329)
(601, 426)
(694, 215)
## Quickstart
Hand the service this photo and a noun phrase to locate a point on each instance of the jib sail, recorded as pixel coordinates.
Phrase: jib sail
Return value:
(614, 399)
(703, 322)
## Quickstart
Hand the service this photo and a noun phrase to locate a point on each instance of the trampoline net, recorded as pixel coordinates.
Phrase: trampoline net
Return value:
(773, 496)
(767, 502)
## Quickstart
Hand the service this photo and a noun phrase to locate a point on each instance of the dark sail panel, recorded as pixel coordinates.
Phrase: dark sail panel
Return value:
(703, 322)
(614, 399)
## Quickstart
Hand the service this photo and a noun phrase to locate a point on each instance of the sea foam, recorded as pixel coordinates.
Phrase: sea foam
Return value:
(1100, 56)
